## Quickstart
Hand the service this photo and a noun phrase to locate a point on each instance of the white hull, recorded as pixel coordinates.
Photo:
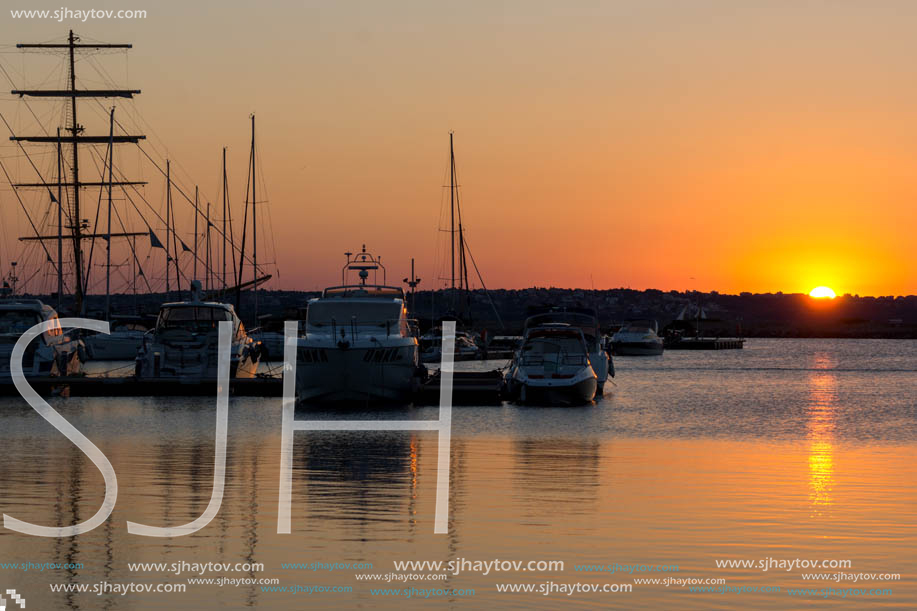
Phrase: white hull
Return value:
(194, 362)
(328, 373)
(637, 341)
(60, 360)
(579, 393)
(114, 347)
(52, 353)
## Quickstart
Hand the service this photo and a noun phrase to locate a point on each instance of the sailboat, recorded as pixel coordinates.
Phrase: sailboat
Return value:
(467, 344)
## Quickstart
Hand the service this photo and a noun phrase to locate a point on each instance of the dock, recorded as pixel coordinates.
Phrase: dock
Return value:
(469, 387)
(706, 343)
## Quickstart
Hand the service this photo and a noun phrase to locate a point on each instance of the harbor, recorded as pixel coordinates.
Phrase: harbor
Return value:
(392, 305)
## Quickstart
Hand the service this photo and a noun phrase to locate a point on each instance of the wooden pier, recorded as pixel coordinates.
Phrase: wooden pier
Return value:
(469, 387)
(706, 343)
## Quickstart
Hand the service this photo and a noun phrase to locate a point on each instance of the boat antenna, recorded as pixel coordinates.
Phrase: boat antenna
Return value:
(412, 282)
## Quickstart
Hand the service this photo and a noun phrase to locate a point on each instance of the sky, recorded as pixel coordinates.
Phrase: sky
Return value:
(729, 146)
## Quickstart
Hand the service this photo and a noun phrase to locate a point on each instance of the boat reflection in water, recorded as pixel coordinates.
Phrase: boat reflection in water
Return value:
(183, 344)
(358, 344)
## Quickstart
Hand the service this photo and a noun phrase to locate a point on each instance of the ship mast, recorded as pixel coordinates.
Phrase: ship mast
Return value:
(111, 165)
(254, 222)
(76, 137)
(452, 211)
(60, 226)
(224, 220)
(168, 224)
(251, 187)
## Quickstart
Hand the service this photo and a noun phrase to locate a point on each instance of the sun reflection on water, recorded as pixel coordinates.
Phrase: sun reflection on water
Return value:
(821, 421)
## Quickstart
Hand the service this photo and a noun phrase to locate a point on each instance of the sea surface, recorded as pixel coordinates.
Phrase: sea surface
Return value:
(786, 450)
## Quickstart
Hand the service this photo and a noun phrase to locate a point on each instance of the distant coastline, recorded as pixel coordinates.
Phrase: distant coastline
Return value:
(746, 314)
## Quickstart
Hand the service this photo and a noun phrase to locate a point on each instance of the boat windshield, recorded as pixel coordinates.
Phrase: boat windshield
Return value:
(584, 322)
(375, 313)
(192, 318)
(557, 350)
(18, 321)
(640, 329)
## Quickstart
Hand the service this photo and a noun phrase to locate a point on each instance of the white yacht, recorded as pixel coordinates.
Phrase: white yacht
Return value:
(552, 367)
(358, 343)
(184, 343)
(431, 346)
(637, 338)
(586, 320)
(53, 353)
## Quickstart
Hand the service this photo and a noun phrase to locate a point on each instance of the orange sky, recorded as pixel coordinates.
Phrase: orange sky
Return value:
(749, 146)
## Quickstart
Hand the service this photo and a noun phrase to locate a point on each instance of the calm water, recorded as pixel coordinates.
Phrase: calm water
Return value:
(788, 449)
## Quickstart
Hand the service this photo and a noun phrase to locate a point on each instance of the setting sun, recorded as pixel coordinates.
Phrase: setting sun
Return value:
(822, 292)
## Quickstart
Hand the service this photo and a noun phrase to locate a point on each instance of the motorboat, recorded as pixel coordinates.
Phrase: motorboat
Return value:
(552, 367)
(185, 340)
(53, 353)
(358, 343)
(431, 346)
(637, 338)
(587, 321)
(122, 344)
(502, 346)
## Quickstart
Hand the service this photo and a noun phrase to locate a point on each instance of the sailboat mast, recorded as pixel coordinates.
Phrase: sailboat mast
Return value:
(254, 220)
(75, 220)
(175, 241)
(168, 223)
(111, 163)
(60, 226)
(207, 271)
(224, 218)
(241, 269)
(194, 274)
(452, 209)
(134, 270)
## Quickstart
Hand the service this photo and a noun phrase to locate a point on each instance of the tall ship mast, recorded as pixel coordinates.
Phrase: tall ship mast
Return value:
(74, 137)
(81, 228)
